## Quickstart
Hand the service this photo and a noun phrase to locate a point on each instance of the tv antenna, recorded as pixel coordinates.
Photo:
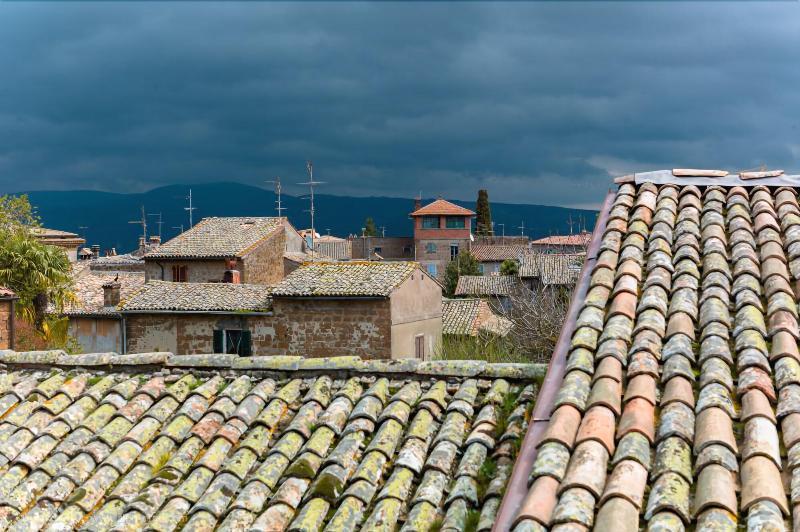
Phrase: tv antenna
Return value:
(277, 183)
(311, 184)
(570, 223)
(159, 223)
(522, 228)
(143, 223)
(383, 231)
(190, 208)
(180, 227)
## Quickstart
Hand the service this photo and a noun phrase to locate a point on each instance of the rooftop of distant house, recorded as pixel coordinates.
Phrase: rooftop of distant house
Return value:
(673, 399)
(486, 285)
(198, 297)
(552, 268)
(470, 317)
(7, 293)
(219, 238)
(220, 442)
(88, 288)
(497, 252)
(352, 278)
(578, 239)
(442, 208)
(54, 236)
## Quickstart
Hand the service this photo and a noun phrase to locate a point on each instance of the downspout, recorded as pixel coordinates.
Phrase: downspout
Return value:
(517, 487)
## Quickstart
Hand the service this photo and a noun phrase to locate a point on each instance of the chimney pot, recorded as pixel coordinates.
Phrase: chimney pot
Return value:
(96, 251)
(111, 294)
(232, 277)
(155, 239)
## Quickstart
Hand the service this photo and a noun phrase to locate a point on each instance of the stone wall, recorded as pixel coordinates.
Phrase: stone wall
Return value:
(6, 323)
(198, 271)
(264, 264)
(323, 328)
(392, 248)
(189, 334)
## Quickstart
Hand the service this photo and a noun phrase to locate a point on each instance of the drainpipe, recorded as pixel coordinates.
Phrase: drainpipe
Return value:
(517, 487)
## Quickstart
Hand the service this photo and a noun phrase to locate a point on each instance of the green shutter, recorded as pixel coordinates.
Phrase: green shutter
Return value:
(218, 341)
(245, 349)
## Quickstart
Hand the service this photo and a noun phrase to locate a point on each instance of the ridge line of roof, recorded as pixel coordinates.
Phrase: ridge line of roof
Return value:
(275, 364)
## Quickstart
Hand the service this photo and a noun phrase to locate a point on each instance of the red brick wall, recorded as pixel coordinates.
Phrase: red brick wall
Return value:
(322, 328)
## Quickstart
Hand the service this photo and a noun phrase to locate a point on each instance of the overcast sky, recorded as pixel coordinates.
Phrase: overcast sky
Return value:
(540, 102)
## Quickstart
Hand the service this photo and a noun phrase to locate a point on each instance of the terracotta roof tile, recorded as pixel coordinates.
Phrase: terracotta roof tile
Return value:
(442, 207)
(219, 238)
(128, 448)
(355, 278)
(168, 296)
(711, 386)
(487, 285)
(472, 316)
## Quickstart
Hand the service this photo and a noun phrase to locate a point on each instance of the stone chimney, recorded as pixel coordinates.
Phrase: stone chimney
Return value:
(155, 240)
(231, 275)
(96, 251)
(111, 294)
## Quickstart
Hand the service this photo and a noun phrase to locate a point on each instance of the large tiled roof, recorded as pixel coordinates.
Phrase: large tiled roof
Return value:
(472, 316)
(486, 285)
(355, 278)
(552, 268)
(579, 239)
(157, 442)
(88, 288)
(218, 238)
(338, 249)
(442, 207)
(680, 405)
(496, 252)
(189, 297)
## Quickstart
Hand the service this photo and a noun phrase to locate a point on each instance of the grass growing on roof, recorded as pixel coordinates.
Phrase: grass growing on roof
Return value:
(475, 348)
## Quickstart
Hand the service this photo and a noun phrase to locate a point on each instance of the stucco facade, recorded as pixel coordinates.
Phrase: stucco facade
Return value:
(97, 334)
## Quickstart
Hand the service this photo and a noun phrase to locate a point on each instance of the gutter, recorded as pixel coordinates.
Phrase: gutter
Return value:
(517, 487)
(224, 312)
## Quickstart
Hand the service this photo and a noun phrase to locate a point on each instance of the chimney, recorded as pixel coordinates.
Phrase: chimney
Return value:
(96, 251)
(417, 203)
(231, 275)
(111, 294)
(155, 240)
(141, 243)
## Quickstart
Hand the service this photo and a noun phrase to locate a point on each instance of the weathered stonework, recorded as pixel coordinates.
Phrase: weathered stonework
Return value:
(6, 323)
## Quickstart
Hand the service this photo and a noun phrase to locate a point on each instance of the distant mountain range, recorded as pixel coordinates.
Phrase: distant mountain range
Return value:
(103, 217)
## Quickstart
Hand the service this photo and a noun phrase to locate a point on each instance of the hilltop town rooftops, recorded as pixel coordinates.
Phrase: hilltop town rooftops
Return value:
(442, 207)
(675, 399)
(497, 253)
(472, 316)
(486, 285)
(219, 238)
(46, 233)
(578, 239)
(552, 268)
(88, 288)
(349, 279)
(146, 441)
(198, 297)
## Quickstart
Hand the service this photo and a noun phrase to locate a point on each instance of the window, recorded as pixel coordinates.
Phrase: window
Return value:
(419, 347)
(378, 250)
(180, 274)
(430, 248)
(453, 251)
(431, 270)
(232, 342)
(430, 222)
(454, 222)
(407, 250)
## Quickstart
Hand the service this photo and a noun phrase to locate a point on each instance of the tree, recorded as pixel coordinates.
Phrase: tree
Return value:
(464, 264)
(37, 273)
(483, 226)
(509, 267)
(369, 227)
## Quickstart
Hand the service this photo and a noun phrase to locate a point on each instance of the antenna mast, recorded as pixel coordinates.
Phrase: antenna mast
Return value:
(277, 183)
(143, 223)
(311, 184)
(159, 223)
(190, 208)
(522, 227)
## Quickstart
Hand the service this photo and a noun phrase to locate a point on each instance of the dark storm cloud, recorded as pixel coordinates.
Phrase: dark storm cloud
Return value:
(539, 102)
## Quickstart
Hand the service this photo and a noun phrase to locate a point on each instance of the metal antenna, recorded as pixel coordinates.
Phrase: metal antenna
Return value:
(522, 227)
(178, 227)
(311, 184)
(159, 223)
(190, 208)
(143, 223)
(277, 183)
(383, 231)
(83, 229)
(569, 223)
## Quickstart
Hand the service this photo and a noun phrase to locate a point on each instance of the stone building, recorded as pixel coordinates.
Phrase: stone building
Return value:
(253, 246)
(550, 270)
(192, 318)
(491, 256)
(94, 320)
(69, 242)
(576, 243)
(7, 299)
(472, 317)
(369, 309)
(382, 248)
(441, 230)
